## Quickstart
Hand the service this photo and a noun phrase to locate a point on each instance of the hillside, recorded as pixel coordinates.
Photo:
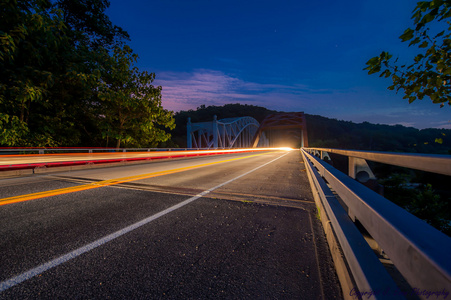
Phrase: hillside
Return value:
(331, 133)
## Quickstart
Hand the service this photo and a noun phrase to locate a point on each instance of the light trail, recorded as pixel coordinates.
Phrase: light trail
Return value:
(30, 161)
(110, 182)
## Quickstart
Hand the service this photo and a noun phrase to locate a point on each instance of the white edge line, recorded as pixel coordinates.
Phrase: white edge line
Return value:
(4, 285)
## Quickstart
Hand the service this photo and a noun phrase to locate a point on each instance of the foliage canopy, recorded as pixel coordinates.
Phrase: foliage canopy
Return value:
(66, 75)
(429, 75)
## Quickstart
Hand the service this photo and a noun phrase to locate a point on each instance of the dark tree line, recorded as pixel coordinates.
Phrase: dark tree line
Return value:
(67, 78)
(331, 133)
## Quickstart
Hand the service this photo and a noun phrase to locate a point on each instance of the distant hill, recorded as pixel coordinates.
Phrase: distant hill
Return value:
(331, 133)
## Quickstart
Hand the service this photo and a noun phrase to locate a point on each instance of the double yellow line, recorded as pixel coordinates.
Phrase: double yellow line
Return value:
(109, 182)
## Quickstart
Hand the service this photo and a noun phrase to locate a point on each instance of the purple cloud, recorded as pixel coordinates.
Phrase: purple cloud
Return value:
(189, 90)
(183, 91)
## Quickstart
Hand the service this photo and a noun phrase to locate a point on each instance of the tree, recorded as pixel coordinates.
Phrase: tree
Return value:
(66, 79)
(129, 105)
(90, 25)
(430, 73)
(31, 37)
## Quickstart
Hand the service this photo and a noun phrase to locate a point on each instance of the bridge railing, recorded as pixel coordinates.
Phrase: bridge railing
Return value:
(420, 252)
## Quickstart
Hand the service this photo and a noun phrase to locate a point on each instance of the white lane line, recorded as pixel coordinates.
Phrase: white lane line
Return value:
(77, 252)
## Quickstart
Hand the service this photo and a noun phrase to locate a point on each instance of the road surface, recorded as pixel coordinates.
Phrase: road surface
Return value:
(228, 226)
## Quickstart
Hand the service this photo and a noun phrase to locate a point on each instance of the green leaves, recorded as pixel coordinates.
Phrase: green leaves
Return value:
(66, 78)
(407, 35)
(12, 130)
(26, 66)
(130, 104)
(430, 73)
(423, 44)
(374, 65)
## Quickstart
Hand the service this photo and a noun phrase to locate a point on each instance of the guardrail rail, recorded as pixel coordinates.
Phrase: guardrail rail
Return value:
(421, 253)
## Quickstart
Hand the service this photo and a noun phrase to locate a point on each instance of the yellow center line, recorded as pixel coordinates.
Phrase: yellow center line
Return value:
(109, 182)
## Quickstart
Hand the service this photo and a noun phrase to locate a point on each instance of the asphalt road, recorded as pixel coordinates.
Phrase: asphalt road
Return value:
(238, 226)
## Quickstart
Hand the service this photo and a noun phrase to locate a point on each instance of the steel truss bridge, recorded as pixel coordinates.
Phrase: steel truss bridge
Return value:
(224, 133)
(276, 130)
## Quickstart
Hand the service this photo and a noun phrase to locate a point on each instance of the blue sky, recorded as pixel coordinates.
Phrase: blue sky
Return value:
(284, 55)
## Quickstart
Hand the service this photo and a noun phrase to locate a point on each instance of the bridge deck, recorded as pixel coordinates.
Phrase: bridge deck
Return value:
(254, 237)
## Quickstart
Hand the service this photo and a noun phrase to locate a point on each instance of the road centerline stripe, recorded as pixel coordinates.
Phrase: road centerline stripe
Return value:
(109, 182)
(97, 243)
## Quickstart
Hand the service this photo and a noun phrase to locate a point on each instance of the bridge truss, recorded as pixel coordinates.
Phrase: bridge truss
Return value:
(224, 133)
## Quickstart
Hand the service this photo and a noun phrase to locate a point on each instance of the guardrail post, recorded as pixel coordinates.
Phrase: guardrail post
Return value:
(359, 169)
(41, 151)
(317, 153)
(324, 155)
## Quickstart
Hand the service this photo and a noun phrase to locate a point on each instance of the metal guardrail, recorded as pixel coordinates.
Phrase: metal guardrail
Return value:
(440, 164)
(420, 252)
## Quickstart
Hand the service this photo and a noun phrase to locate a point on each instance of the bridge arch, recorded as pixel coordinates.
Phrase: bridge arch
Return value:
(225, 133)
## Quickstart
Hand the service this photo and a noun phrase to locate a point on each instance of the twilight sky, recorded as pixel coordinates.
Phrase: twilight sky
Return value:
(286, 55)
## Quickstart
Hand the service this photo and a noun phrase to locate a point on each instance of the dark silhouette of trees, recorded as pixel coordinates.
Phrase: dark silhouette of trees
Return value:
(57, 63)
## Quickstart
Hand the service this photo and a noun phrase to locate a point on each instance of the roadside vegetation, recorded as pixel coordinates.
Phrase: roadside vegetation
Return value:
(68, 78)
